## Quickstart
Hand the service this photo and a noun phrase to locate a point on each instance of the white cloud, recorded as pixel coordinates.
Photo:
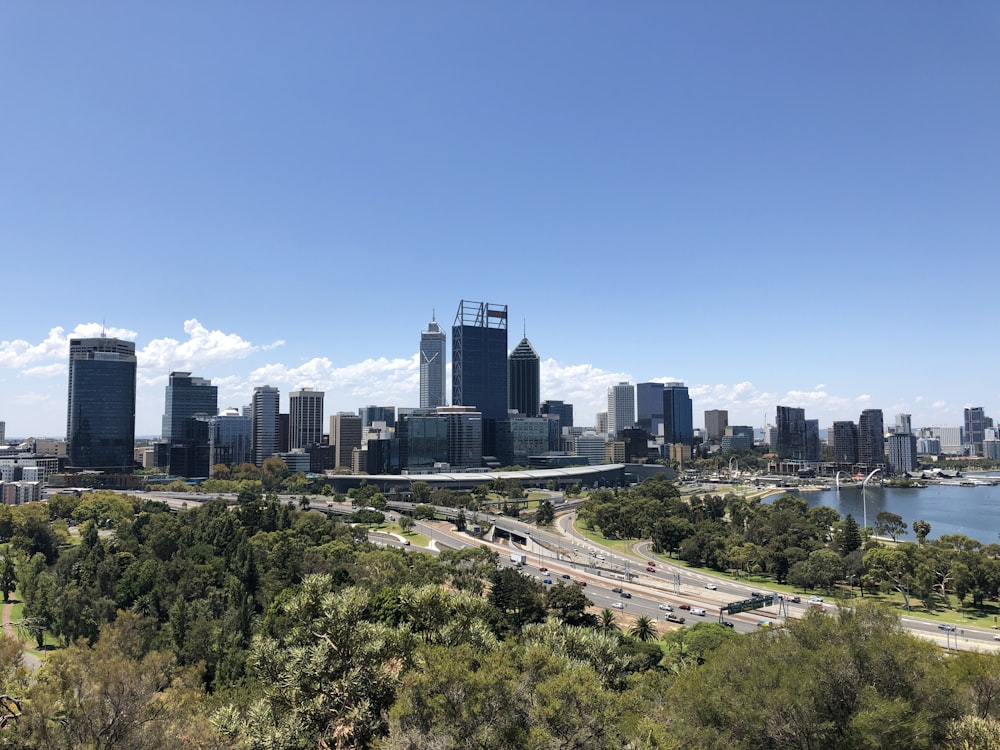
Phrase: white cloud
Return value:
(864, 398)
(202, 347)
(46, 371)
(21, 354)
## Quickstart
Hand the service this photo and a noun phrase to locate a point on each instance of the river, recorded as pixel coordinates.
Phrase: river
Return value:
(949, 509)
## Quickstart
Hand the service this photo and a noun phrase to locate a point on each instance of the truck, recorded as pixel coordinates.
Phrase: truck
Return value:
(518, 558)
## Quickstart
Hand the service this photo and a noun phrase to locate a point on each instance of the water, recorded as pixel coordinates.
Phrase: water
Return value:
(949, 509)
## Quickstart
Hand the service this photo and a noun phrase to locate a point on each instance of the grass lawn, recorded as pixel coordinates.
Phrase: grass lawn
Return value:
(416, 539)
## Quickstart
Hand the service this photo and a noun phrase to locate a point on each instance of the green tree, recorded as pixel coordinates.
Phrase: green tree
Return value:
(889, 524)
(643, 629)
(545, 513)
(848, 535)
(921, 529)
(406, 523)
(8, 575)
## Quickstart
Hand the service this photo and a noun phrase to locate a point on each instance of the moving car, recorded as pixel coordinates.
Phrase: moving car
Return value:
(650, 569)
(947, 627)
(815, 599)
(618, 605)
(675, 618)
(685, 606)
(711, 586)
(543, 569)
(626, 595)
(617, 589)
(668, 608)
(566, 576)
(795, 599)
(698, 611)
(729, 623)
(547, 580)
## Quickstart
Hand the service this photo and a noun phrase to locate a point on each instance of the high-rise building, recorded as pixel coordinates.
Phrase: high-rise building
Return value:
(791, 438)
(345, 435)
(903, 424)
(189, 403)
(902, 453)
(432, 367)
(100, 414)
(423, 440)
(649, 407)
(812, 440)
(3, 432)
(521, 438)
(479, 358)
(737, 438)
(229, 438)
(265, 441)
(305, 418)
(678, 417)
(975, 424)
(621, 407)
(559, 409)
(524, 373)
(871, 438)
(716, 422)
(771, 437)
(601, 422)
(845, 442)
(465, 436)
(372, 414)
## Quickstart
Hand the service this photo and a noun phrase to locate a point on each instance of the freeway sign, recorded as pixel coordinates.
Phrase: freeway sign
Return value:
(746, 605)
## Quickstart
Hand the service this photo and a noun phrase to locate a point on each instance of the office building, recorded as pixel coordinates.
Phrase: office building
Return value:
(100, 414)
(524, 377)
(737, 438)
(423, 440)
(678, 417)
(229, 439)
(871, 438)
(601, 422)
(479, 358)
(521, 438)
(3, 432)
(975, 424)
(771, 437)
(590, 446)
(558, 409)
(791, 433)
(432, 366)
(649, 407)
(902, 453)
(621, 407)
(716, 422)
(845, 442)
(305, 418)
(903, 424)
(465, 436)
(265, 440)
(373, 414)
(345, 436)
(189, 403)
(951, 440)
(812, 440)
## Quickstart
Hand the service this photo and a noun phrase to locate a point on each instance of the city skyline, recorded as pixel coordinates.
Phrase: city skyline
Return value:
(763, 182)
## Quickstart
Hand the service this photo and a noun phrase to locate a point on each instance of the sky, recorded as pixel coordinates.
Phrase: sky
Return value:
(776, 203)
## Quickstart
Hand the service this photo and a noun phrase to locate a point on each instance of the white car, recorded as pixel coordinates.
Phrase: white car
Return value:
(668, 608)
(618, 605)
(698, 611)
(996, 637)
(711, 586)
(815, 599)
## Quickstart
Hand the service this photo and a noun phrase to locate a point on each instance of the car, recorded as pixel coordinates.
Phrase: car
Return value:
(795, 599)
(617, 589)
(626, 595)
(949, 628)
(996, 637)
(547, 580)
(543, 569)
(666, 608)
(711, 586)
(618, 605)
(565, 575)
(815, 599)
(756, 595)
(675, 618)
(698, 611)
(601, 558)
(650, 562)
(729, 623)
(406, 542)
(685, 606)
(650, 569)
(582, 583)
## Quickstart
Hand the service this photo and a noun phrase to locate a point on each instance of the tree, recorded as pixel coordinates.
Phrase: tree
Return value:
(889, 524)
(643, 629)
(545, 513)
(921, 529)
(421, 492)
(406, 523)
(848, 535)
(607, 621)
(8, 575)
(569, 604)
(273, 472)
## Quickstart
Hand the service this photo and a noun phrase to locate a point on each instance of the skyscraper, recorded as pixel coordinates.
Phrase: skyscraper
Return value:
(716, 422)
(791, 438)
(188, 399)
(845, 442)
(678, 417)
(100, 413)
(975, 424)
(432, 367)
(305, 418)
(345, 435)
(479, 358)
(649, 407)
(524, 379)
(264, 438)
(621, 407)
(871, 438)
(229, 438)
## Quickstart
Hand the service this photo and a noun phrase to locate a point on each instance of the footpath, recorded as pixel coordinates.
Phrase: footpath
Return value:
(31, 659)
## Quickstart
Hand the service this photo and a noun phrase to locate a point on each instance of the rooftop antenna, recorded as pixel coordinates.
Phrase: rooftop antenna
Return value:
(524, 328)
(103, 334)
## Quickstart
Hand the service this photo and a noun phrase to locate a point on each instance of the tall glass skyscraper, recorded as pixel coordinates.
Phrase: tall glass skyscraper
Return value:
(871, 438)
(678, 417)
(649, 407)
(479, 358)
(264, 438)
(188, 398)
(621, 407)
(524, 379)
(432, 367)
(100, 414)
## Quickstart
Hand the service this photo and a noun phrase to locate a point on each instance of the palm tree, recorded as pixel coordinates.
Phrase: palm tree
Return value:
(644, 629)
(607, 622)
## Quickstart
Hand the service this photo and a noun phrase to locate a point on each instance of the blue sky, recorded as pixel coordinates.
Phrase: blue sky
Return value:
(777, 203)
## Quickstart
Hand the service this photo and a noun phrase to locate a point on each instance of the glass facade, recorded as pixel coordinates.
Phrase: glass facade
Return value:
(229, 438)
(432, 367)
(265, 423)
(479, 358)
(524, 380)
(678, 415)
(186, 399)
(423, 440)
(100, 420)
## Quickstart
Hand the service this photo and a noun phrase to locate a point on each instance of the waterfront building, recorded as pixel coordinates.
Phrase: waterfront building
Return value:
(649, 407)
(975, 424)
(265, 424)
(902, 453)
(432, 367)
(229, 438)
(812, 440)
(345, 436)
(790, 423)
(928, 446)
(524, 380)
(621, 407)
(871, 438)
(716, 421)
(100, 413)
(305, 418)
(678, 418)
(845, 442)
